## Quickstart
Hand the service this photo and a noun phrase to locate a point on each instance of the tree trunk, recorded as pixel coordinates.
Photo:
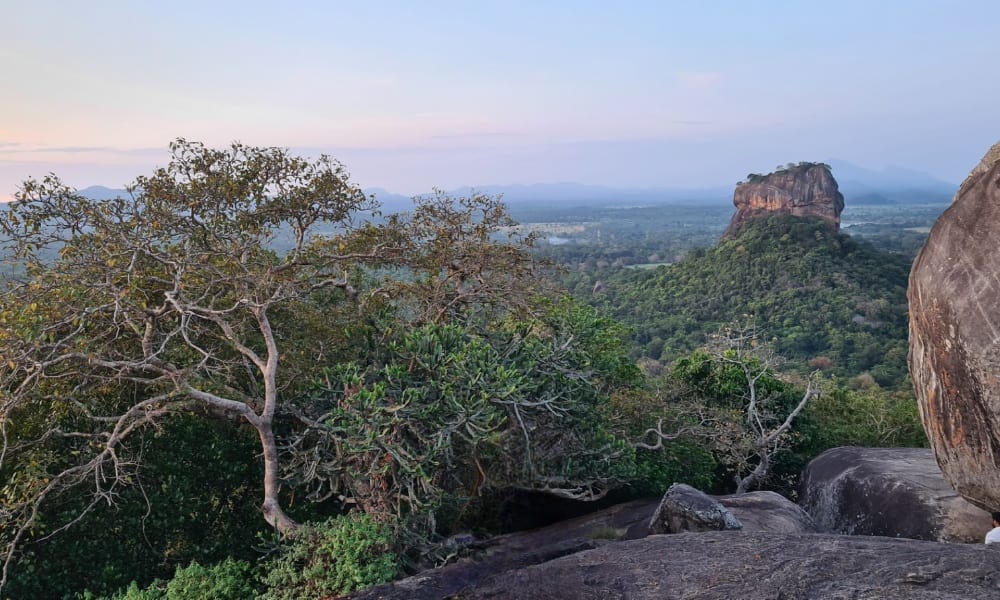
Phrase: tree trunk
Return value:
(745, 484)
(271, 508)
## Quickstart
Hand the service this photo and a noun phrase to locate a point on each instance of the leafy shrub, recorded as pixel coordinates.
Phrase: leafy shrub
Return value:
(229, 580)
(870, 417)
(337, 556)
(132, 592)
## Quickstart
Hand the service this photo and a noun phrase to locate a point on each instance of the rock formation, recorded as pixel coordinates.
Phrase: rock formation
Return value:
(770, 512)
(805, 190)
(893, 492)
(722, 565)
(684, 508)
(954, 298)
(761, 512)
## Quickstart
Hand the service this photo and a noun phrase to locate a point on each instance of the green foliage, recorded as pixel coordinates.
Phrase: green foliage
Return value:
(338, 556)
(198, 501)
(681, 461)
(684, 460)
(442, 413)
(228, 580)
(132, 592)
(867, 417)
(820, 294)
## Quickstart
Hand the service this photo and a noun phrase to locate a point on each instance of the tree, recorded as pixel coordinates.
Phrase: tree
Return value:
(733, 400)
(763, 430)
(188, 296)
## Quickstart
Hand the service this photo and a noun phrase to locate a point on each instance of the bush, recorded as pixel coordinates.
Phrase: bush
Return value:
(337, 556)
(228, 580)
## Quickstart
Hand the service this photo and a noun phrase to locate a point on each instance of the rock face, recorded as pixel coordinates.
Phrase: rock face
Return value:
(807, 190)
(750, 566)
(954, 298)
(685, 508)
(893, 492)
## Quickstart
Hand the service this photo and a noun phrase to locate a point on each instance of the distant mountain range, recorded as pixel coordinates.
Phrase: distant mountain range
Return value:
(893, 185)
(99, 192)
(571, 193)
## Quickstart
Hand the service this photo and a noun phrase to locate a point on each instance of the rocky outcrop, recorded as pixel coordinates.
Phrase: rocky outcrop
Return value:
(749, 566)
(512, 551)
(954, 298)
(760, 512)
(806, 190)
(768, 512)
(893, 492)
(685, 508)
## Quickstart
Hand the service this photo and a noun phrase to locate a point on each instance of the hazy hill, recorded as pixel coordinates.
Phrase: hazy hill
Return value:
(893, 185)
(99, 192)
(859, 185)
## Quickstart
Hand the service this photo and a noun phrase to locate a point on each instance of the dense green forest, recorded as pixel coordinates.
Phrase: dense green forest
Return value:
(236, 382)
(830, 301)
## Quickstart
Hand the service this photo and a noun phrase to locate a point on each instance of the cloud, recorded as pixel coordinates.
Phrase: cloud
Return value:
(485, 134)
(71, 149)
(18, 148)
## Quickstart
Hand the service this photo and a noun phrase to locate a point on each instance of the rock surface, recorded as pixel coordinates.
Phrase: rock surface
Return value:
(760, 511)
(515, 550)
(954, 298)
(802, 191)
(684, 508)
(750, 566)
(768, 512)
(894, 492)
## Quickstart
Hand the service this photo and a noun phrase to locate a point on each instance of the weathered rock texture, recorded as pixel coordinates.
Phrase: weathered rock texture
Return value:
(893, 492)
(803, 191)
(516, 550)
(768, 512)
(954, 297)
(760, 511)
(748, 566)
(685, 508)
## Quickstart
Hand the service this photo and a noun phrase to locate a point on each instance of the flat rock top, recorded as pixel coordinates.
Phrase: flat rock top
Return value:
(757, 566)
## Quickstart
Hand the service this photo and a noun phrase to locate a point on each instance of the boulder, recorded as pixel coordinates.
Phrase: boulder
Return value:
(894, 492)
(806, 190)
(768, 512)
(954, 298)
(752, 566)
(684, 508)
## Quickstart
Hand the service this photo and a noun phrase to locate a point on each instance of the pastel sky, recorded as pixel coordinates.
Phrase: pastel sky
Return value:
(416, 94)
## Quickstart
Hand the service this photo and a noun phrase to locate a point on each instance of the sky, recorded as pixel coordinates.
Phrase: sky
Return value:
(413, 95)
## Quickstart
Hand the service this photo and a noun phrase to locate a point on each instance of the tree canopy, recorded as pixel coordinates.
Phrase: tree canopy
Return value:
(256, 287)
